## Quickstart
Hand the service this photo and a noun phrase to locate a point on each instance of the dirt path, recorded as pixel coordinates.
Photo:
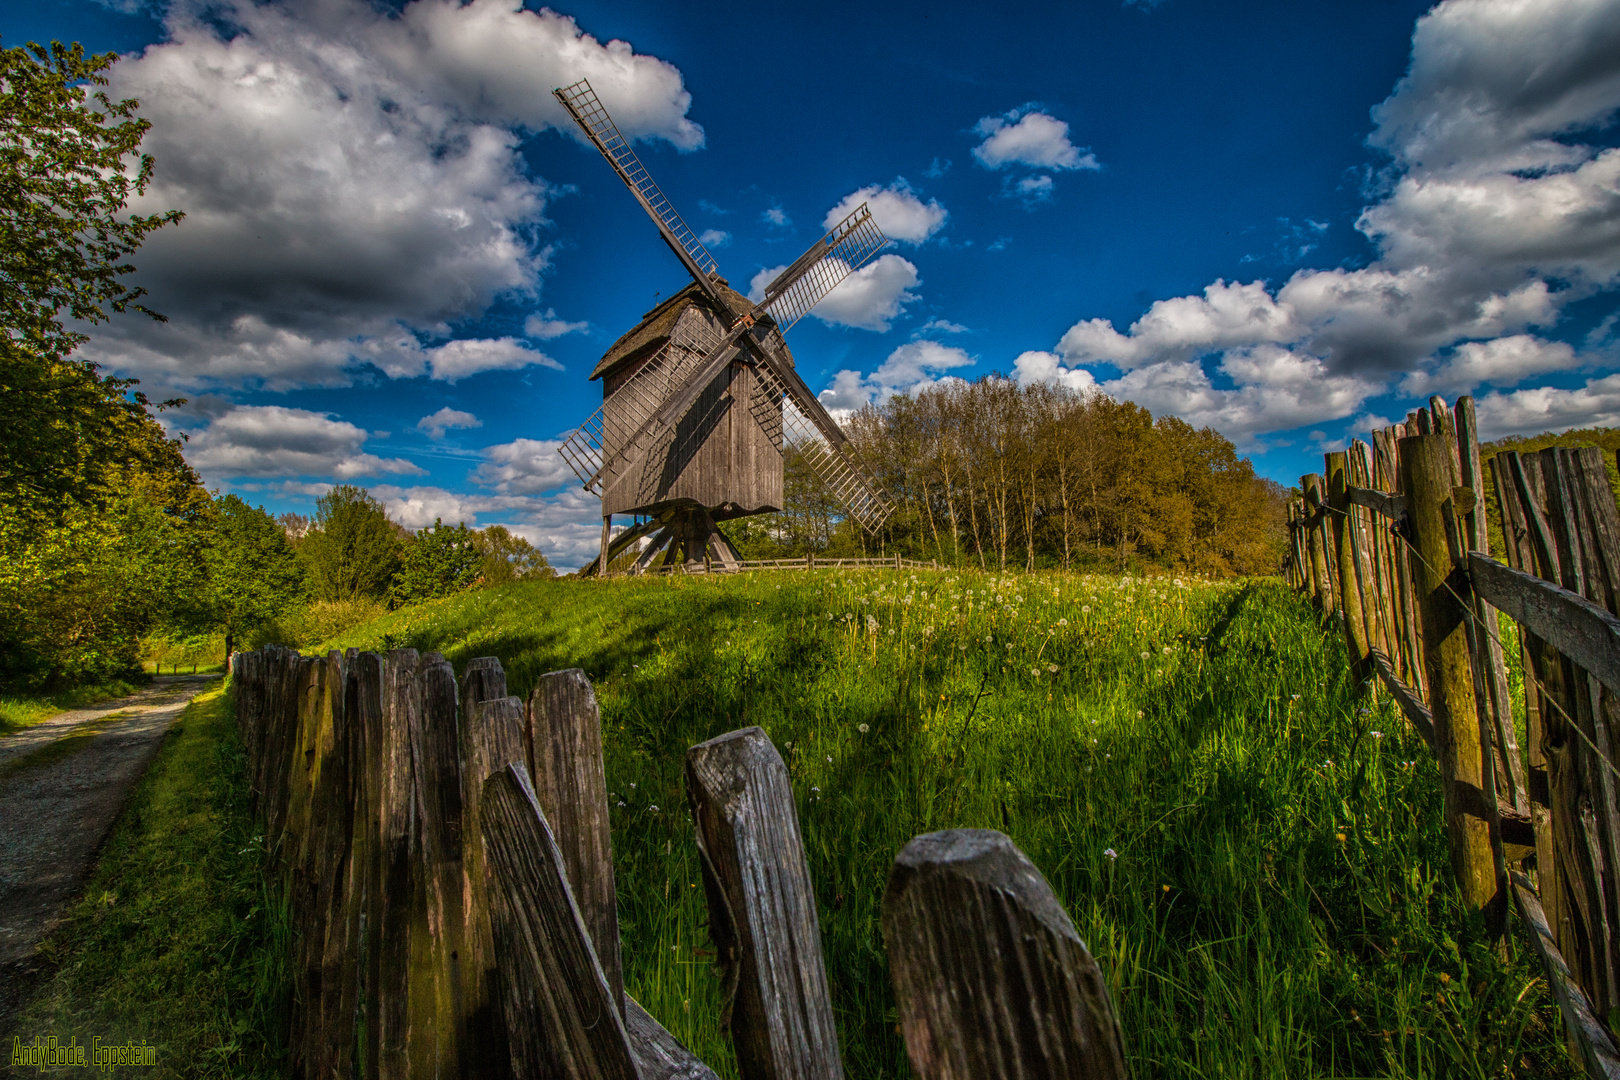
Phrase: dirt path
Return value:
(62, 785)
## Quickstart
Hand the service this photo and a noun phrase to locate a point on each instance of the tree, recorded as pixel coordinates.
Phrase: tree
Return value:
(354, 551)
(69, 163)
(505, 557)
(439, 562)
(254, 576)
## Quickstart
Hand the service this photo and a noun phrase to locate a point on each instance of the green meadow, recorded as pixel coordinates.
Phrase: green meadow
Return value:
(1249, 843)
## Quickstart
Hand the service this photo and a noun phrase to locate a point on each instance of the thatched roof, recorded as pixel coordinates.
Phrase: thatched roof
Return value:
(655, 326)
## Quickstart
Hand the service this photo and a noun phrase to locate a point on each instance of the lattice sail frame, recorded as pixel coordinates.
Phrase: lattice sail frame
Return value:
(841, 252)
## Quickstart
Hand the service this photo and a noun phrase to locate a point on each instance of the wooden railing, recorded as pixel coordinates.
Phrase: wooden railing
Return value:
(447, 857)
(807, 562)
(1391, 542)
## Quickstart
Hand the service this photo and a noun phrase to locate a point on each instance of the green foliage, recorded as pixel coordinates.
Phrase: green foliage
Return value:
(439, 562)
(20, 710)
(69, 163)
(505, 558)
(177, 940)
(353, 551)
(996, 475)
(254, 576)
(83, 580)
(1279, 902)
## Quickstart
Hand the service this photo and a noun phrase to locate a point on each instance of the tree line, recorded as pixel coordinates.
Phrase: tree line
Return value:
(997, 475)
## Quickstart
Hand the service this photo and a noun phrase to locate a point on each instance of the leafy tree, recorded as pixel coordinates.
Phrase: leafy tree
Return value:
(354, 551)
(439, 562)
(254, 576)
(69, 163)
(505, 557)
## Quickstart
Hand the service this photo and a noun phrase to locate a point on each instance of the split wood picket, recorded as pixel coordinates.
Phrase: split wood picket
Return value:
(446, 853)
(1391, 543)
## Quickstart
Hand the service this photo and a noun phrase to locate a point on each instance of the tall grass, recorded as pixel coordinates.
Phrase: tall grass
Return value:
(1251, 845)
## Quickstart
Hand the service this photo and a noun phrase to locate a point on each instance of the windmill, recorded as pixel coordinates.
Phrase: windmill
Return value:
(701, 400)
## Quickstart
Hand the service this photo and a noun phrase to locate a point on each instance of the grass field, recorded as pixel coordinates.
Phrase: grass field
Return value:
(1251, 847)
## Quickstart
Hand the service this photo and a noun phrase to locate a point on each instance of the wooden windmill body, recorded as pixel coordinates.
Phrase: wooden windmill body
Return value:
(701, 399)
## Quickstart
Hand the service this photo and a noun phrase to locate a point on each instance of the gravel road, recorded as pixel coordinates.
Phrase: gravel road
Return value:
(62, 785)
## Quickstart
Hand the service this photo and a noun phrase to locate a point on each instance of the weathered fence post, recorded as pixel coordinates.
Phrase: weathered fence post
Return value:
(435, 759)
(1315, 538)
(1349, 594)
(492, 735)
(549, 975)
(1471, 825)
(565, 761)
(762, 911)
(991, 978)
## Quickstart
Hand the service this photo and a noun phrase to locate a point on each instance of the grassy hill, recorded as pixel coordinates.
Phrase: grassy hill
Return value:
(1253, 851)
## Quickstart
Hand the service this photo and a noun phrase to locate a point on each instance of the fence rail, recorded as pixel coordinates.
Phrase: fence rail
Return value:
(446, 854)
(1391, 542)
(808, 562)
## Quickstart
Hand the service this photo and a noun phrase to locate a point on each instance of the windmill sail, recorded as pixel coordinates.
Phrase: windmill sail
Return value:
(582, 104)
(633, 421)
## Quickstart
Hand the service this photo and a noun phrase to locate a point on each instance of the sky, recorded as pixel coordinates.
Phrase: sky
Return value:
(1288, 222)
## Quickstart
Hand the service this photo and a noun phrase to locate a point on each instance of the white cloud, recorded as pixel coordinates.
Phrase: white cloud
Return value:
(1029, 137)
(566, 526)
(1036, 366)
(906, 370)
(446, 418)
(272, 440)
(714, 238)
(871, 297)
(1544, 408)
(1034, 188)
(1495, 218)
(455, 360)
(523, 467)
(776, 216)
(896, 209)
(547, 327)
(1502, 362)
(941, 326)
(351, 179)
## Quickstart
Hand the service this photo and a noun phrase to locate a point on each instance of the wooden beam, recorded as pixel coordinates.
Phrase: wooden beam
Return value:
(561, 1018)
(1416, 712)
(990, 975)
(659, 1055)
(1379, 502)
(1585, 1030)
(1568, 622)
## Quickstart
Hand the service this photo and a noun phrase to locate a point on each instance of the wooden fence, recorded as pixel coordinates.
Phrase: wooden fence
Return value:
(447, 857)
(808, 562)
(1391, 543)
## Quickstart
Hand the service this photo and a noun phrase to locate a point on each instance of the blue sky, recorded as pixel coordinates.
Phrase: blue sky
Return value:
(1284, 221)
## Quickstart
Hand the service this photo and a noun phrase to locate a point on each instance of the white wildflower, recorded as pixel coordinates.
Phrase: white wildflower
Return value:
(1111, 853)
(863, 729)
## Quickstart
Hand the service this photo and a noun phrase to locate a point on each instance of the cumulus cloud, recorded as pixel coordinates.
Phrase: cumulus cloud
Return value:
(1029, 137)
(896, 209)
(523, 467)
(776, 217)
(1544, 408)
(468, 356)
(547, 327)
(1494, 218)
(446, 418)
(714, 238)
(566, 526)
(906, 370)
(351, 180)
(1501, 362)
(272, 440)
